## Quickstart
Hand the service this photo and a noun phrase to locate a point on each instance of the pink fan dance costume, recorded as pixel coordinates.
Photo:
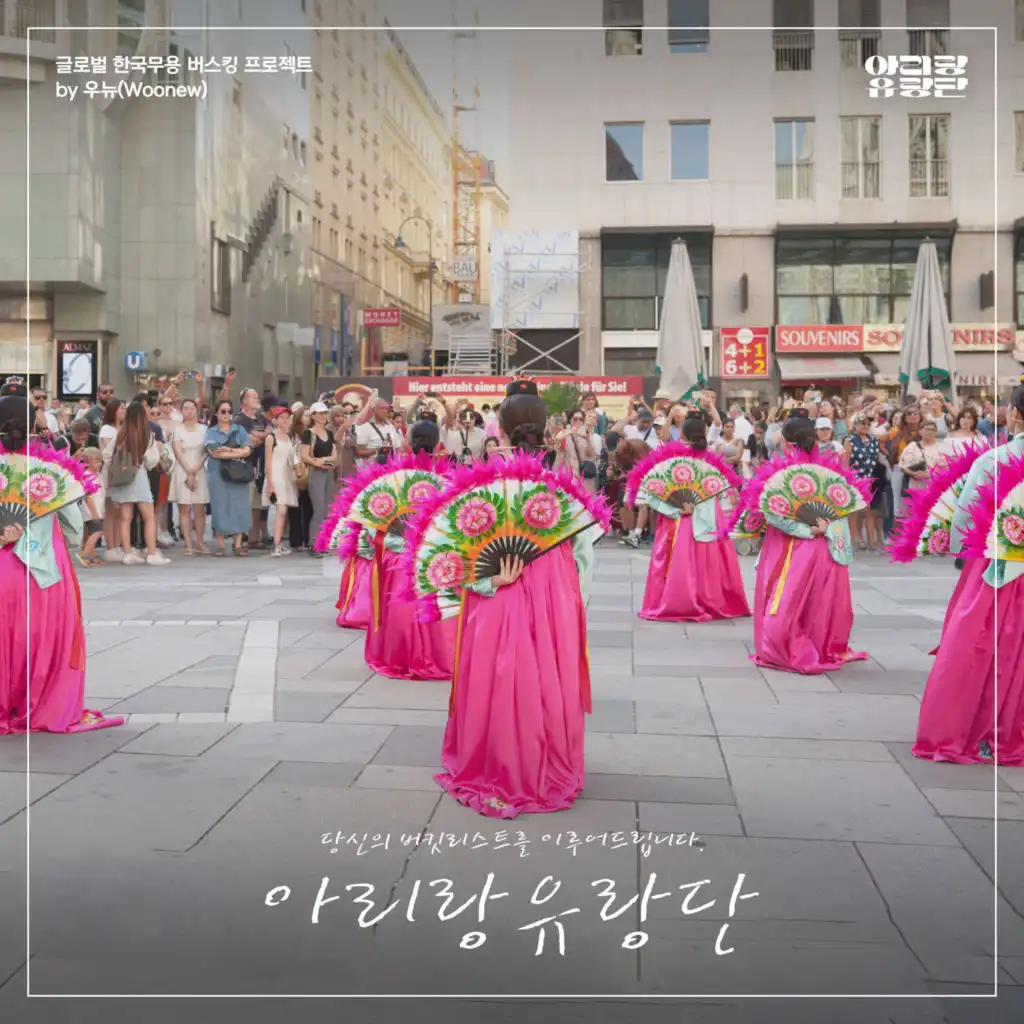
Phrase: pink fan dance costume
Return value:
(521, 688)
(972, 711)
(398, 644)
(925, 528)
(42, 637)
(803, 611)
(694, 574)
(355, 597)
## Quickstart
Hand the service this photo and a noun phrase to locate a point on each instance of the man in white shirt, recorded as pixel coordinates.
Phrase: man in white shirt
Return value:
(39, 401)
(463, 440)
(378, 437)
(643, 430)
(742, 427)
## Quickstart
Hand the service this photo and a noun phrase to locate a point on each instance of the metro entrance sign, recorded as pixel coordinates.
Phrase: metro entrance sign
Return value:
(745, 352)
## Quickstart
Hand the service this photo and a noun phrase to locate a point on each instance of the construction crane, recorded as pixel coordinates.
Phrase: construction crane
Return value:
(467, 168)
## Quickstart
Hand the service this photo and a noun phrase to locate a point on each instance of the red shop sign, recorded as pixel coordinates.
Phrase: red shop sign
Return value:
(745, 352)
(819, 338)
(382, 317)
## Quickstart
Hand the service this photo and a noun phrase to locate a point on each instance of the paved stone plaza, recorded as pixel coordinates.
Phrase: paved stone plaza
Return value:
(255, 728)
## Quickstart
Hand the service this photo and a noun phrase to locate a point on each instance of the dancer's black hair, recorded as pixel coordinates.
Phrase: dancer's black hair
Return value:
(522, 416)
(799, 430)
(695, 431)
(423, 436)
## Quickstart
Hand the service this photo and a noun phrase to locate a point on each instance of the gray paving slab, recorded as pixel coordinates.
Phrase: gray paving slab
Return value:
(653, 717)
(167, 698)
(612, 716)
(943, 775)
(814, 721)
(752, 690)
(320, 774)
(688, 756)
(122, 805)
(412, 745)
(180, 740)
(612, 684)
(53, 754)
(657, 789)
(15, 795)
(830, 799)
(704, 819)
(302, 741)
(304, 706)
(387, 716)
(399, 693)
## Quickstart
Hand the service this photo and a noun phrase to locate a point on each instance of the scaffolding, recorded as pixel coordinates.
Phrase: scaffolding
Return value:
(467, 167)
(527, 313)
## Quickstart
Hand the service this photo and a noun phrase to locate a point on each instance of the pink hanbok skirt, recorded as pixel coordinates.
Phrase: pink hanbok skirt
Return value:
(803, 611)
(974, 567)
(42, 655)
(965, 716)
(398, 645)
(514, 742)
(692, 581)
(354, 597)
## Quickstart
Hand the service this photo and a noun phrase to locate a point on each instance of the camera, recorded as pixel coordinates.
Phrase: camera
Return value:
(383, 455)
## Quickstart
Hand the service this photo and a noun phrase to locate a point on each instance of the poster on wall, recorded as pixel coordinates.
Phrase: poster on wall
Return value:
(76, 369)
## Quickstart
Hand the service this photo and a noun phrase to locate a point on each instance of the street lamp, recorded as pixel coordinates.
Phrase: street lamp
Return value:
(400, 244)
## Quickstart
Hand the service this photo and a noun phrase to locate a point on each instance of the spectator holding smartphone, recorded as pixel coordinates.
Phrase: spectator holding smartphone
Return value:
(377, 438)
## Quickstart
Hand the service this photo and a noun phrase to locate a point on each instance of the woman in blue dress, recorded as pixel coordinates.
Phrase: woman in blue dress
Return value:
(229, 499)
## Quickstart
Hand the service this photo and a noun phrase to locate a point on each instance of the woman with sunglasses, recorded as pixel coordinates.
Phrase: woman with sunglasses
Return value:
(226, 442)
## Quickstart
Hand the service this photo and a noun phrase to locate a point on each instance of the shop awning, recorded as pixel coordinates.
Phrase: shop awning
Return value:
(818, 368)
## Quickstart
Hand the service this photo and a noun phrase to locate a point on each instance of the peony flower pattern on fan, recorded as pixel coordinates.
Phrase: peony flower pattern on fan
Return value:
(394, 496)
(695, 477)
(810, 491)
(1010, 526)
(39, 481)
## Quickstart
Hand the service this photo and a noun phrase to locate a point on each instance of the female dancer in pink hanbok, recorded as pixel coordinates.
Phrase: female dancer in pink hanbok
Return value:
(355, 597)
(398, 644)
(972, 711)
(521, 689)
(694, 574)
(803, 611)
(42, 637)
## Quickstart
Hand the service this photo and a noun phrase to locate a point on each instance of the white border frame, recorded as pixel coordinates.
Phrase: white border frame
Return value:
(503, 996)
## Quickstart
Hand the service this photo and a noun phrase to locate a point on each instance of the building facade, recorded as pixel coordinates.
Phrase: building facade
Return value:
(494, 212)
(802, 197)
(167, 229)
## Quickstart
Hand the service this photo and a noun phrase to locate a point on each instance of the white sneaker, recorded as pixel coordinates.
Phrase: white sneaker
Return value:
(285, 551)
(132, 559)
(164, 539)
(157, 559)
(114, 555)
(276, 553)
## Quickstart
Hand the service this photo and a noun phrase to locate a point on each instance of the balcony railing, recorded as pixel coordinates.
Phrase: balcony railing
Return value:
(862, 180)
(793, 50)
(794, 181)
(17, 18)
(928, 42)
(929, 179)
(856, 47)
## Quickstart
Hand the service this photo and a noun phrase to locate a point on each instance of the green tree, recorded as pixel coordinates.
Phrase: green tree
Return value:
(559, 398)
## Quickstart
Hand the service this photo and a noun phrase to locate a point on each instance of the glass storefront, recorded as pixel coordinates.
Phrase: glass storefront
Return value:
(633, 273)
(849, 279)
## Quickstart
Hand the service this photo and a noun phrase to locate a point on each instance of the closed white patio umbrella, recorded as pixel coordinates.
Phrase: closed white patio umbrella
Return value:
(681, 361)
(926, 355)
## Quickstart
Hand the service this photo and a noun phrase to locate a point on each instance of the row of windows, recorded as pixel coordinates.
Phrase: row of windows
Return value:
(853, 279)
(860, 154)
(860, 38)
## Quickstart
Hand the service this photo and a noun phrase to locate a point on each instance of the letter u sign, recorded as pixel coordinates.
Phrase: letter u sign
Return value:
(135, 361)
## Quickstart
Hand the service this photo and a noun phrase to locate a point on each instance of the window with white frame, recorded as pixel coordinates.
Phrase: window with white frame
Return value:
(861, 157)
(793, 38)
(690, 143)
(794, 158)
(929, 156)
(624, 151)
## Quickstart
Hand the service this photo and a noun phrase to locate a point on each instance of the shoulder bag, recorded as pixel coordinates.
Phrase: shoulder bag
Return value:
(122, 469)
(236, 471)
(588, 469)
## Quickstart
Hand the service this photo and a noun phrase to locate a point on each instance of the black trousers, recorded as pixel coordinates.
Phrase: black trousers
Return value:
(298, 522)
